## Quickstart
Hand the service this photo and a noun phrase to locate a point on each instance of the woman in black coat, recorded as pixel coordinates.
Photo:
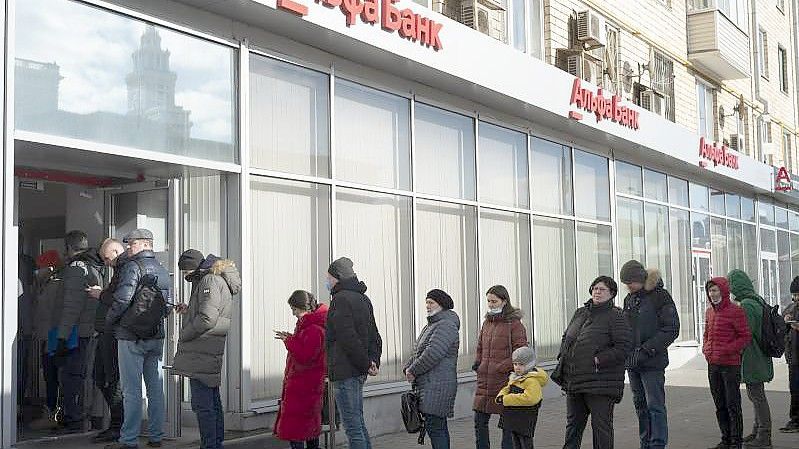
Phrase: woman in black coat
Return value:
(592, 356)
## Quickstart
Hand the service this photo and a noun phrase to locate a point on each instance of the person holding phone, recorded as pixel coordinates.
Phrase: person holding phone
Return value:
(791, 315)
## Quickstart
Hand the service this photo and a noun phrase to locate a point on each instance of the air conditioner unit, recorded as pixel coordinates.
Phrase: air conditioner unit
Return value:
(591, 28)
(581, 64)
(738, 142)
(475, 14)
(654, 101)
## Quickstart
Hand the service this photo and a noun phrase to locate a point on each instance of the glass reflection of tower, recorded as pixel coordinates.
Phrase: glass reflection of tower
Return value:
(151, 89)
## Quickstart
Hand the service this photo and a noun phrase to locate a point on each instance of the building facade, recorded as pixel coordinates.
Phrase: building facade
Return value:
(456, 145)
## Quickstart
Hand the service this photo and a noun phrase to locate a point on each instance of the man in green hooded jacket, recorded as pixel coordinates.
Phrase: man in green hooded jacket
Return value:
(756, 367)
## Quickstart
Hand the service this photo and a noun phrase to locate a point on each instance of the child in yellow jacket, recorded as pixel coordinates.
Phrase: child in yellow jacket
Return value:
(521, 398)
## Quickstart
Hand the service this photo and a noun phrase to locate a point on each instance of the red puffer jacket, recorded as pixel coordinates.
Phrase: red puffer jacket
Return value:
(300, 415)
(726, 329)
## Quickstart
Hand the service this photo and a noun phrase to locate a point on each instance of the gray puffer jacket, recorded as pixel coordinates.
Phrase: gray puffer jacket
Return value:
(434, 364)
(204, 327)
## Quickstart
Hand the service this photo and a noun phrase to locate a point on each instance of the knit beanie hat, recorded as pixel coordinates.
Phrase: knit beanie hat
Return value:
(442, 298)
(341, 268)
(632, 271)
(526, 356)
(795, 285)
(190, 260)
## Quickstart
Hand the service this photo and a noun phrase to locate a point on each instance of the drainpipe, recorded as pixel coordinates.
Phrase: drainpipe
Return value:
(756, 73)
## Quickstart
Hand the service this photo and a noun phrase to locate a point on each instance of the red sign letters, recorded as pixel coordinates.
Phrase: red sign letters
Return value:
(407, 23)
(603, 107)
(718, 155)
(783, 181)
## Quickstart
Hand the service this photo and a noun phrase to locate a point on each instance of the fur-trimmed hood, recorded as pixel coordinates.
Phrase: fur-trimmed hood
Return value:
(654, 280)
(224, 268)
(509, 313)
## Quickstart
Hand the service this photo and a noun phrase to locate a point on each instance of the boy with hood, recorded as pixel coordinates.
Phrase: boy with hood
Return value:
(756, 367)
(521, 398)
(725, 337)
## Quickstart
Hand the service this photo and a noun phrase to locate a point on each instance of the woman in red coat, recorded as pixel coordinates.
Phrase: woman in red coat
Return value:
(299, 419)
(726, 335)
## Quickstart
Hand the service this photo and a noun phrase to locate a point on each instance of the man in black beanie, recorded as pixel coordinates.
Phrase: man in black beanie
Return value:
(353, 346)
(653, 318)
(791, 314)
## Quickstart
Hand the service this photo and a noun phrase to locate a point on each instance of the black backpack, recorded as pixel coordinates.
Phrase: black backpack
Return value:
(147, 308)
(772, 331)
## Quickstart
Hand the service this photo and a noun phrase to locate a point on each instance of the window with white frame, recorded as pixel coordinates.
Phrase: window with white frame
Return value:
(704, 109)
(781, 6)
(762, 52)
(782, 58)
(535, 14)
(787, 150)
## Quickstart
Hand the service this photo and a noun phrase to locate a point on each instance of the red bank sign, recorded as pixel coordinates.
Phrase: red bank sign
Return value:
(783, 183)
(603, 107)
(718, 155)
(406, 23)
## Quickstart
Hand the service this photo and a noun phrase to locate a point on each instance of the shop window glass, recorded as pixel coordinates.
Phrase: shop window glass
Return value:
(735, 246)
(629, 179)
(555, 297)
(781, 217)
(655, 186)
(592, 199)
(793, 221)
(766, 213)
(767, 242)
(656, 219)
(751, 260)
(682, 271)
(505, 260)
(300, 254)
(718, 244)
(717, 202)
(372, 136)
(595, 257)
(289, 119)
(374, 230)
(698, 195)
(733, 205)
(700, 230)
(747, 208)
(98, 76)
(678, 191)
(503, 166)
(552, 178)
(446, 258)
(630, 230)
(784, 268)
(445, 161)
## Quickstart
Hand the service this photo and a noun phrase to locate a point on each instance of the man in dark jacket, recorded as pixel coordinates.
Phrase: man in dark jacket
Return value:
(353, 347)
(76, 325)
(655, 325)
(106, 362)
(139, 357)
(791, 315)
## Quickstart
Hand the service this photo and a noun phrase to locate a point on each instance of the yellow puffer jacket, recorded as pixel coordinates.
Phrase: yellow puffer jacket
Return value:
(531, 383)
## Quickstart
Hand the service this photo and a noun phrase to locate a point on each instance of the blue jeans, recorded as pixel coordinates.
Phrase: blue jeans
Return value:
(349, 397)
(139, 359)
(436, 427)
(482, 440)
(649, 398)
(207, 405)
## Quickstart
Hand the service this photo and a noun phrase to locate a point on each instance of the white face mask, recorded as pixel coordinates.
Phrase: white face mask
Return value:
(434, 311)
(494, 311)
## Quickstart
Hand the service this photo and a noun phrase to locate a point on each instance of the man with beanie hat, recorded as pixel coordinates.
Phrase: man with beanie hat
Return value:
(521, 398)
(655, 325)
(353, 347)
(791, 315)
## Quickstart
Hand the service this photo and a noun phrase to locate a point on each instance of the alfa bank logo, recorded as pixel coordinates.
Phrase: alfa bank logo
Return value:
(601, 106)
(406, 23)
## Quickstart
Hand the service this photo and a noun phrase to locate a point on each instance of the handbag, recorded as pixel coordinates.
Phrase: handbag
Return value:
(411, 415)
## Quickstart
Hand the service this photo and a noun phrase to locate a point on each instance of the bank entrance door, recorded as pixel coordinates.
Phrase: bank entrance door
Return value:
(702, 274)
(770, 290)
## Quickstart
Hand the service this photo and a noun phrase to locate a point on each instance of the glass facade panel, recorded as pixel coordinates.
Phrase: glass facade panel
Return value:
(372, 136)
(781, 217)
(630, 229)
(658, 254)
(445, 161)
(503, 166)
(682, 271)
(784, 268)
(718, 237)
(698, 195)
(766, 211)
(505, 260)
(102, 77)
(794, 238)
(300, 254)
(717, 202)
(747, 209)
(446, 259)
(750, 252)
(767, 242)
(595, 255)
(374, 230)
(678, 191)
(554, 283)
(592, 200)
(289, 118)
(552, 181)
(793, 221)
(655, 186)
(733, 205)
(735, 246)
(700, 229)
(629, 179)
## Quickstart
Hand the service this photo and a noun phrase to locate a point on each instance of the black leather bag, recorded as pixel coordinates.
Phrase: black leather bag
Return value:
(411, 415)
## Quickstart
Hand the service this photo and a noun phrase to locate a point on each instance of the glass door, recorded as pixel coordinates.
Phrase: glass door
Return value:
(770, 290)
(702, 274)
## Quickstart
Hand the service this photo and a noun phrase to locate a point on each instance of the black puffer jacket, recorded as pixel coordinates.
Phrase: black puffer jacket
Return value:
(107, 295)
(654, 322)
(601, 332)
(83, 270)
(791, 336)
(352, 340)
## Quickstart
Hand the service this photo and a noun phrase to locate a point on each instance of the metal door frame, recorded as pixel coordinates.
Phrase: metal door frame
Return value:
(699, 296)
(772, 260)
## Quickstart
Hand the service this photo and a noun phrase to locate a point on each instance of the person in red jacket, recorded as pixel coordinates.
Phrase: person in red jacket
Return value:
(726, 335)
(299, 419)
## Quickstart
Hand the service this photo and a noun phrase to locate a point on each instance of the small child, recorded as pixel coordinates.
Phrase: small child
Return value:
(521, 398)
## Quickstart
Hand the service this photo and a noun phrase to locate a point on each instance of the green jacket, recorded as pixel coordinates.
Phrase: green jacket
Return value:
(755, 365)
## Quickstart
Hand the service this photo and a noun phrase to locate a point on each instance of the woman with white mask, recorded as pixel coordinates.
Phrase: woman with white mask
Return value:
(501, 334)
